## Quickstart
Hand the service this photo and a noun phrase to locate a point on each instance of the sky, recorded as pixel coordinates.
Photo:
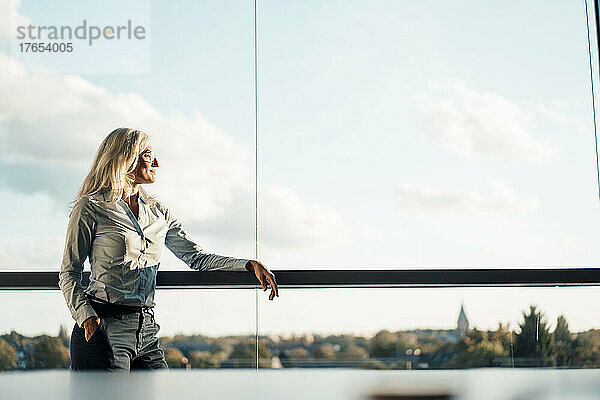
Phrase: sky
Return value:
(392, 134)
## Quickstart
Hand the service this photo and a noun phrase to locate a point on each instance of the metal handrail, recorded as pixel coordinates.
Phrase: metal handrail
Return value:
(328, 278)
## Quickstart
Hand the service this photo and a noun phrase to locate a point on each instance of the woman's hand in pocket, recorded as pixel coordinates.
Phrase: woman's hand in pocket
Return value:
(89, 326)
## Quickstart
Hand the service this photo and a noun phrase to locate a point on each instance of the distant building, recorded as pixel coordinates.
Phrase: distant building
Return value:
(463, 323)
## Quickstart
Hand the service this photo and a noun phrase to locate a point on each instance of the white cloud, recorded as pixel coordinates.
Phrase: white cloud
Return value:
(40, 252)
(367, 229)
(444, 198)
(10, 17)
(290, 221)
(480, 123)
(552, 112)
(52, 125)
(48, 113)
(566, 115)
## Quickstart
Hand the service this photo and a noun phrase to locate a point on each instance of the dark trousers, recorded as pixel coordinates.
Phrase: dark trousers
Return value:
(124, 340)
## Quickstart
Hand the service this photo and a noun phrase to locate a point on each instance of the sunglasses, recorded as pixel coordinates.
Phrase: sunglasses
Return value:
(149, 156)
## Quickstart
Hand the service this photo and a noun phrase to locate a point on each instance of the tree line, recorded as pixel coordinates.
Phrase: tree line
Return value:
(532, 344)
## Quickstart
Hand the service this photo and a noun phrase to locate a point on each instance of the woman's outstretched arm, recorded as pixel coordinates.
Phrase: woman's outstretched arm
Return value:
(178, 241)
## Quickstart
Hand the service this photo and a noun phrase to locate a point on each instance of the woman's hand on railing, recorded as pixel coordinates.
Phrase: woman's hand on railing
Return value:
(264, 276)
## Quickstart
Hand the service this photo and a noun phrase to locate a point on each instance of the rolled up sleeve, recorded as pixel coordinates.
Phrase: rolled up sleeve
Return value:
(80, 233)
(178, 241)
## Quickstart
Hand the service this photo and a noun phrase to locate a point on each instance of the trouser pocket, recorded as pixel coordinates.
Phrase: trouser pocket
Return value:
(94, 353)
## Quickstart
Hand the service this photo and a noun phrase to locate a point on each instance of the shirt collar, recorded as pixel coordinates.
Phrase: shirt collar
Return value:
(140, 197)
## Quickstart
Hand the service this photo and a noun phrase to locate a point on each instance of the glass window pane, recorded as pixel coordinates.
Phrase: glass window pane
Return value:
(195, 99)
(426, 134)
(199, 328)
(431, 328)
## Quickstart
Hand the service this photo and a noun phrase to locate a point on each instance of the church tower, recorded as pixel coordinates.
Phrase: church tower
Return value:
(463, 323)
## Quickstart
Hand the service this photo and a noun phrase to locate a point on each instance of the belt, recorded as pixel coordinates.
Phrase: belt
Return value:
(111, 309)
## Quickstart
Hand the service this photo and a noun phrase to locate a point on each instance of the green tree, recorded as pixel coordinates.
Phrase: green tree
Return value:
(563, 342)
(174, 357)
(206, 359)
(15, 339)
(353, 353)
(296, 357)
(535, 342)
(49, 352)
(476, 336)
(384, 344)
(64, 336)
(244, 354)
(586, 351)
(300, 353)
(502, 335)
(325, 352)
(475, 355)
(200, 359)
(8, 356)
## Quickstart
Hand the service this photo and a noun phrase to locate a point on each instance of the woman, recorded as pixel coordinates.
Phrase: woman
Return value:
(121, 229)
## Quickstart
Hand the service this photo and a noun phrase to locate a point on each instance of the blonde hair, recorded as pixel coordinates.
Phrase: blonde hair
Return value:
(112, 171)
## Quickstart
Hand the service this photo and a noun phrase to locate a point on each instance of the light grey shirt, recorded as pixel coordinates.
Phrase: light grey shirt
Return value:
(125, 252)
